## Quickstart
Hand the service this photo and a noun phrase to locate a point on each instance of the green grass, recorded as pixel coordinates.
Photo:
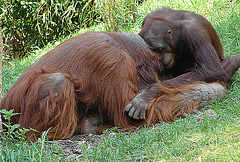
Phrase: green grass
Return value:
(15, 148)
(197, 137)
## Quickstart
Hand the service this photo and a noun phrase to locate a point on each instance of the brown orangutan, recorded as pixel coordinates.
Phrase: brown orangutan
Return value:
(190, 51)
(86, 82)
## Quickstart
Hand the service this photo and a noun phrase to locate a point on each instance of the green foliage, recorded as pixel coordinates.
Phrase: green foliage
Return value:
(15, 148)
(12, 133)
(28, 25)
(117, 15)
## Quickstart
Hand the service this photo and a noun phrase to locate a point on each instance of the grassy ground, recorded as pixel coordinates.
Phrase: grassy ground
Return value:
(205, 136)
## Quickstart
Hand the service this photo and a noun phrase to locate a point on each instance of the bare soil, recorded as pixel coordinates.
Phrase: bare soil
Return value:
(72, 146)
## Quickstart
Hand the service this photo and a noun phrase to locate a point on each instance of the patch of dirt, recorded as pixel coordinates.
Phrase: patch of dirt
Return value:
(72, 146)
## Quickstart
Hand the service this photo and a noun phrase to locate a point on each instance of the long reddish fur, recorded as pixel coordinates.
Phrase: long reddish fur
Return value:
(92, 74)
(95, 74)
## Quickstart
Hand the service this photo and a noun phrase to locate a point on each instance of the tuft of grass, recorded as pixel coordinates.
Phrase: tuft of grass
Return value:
(117, 15)
(15, 148)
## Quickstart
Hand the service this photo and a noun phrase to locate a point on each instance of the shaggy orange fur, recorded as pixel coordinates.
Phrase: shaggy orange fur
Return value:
(89, 78)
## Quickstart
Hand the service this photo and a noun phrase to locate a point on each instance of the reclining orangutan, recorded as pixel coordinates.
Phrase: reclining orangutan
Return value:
(92, 77)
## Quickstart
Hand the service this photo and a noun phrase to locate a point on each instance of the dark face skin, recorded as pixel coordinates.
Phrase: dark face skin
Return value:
(160, 41)
(167, 39)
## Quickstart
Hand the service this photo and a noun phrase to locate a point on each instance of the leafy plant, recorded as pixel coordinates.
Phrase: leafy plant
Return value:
(12, 133)
(117, 15)
(14, 146)
(30, 25)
